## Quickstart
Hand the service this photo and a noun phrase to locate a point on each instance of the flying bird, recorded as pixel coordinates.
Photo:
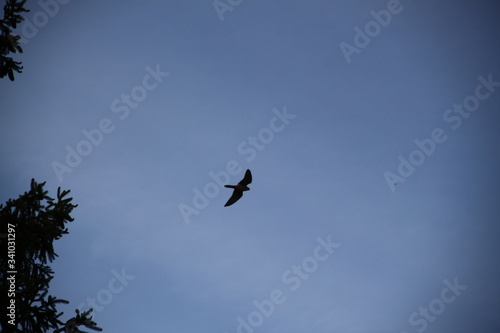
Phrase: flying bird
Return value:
(238, 189)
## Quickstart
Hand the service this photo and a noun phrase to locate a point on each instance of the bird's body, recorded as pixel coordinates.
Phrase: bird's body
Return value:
(239, 188)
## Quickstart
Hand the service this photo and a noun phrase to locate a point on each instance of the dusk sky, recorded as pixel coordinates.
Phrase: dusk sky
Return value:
(371, 129)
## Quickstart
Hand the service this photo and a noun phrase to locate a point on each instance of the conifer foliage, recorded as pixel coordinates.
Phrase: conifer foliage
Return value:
(9, 42)
(29, 226)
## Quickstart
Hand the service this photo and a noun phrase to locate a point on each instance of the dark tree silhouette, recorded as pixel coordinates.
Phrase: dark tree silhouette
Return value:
(30, 224)
(8, 41)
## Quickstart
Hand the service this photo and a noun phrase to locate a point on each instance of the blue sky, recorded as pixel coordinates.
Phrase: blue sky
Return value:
(174, 92)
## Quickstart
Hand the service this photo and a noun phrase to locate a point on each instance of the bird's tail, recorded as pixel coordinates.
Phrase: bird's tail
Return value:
(229, 186)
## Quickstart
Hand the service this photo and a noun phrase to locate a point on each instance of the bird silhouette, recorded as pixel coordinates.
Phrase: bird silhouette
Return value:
(238, 189)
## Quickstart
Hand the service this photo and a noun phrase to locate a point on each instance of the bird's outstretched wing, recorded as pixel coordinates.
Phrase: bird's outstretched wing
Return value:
(237, 194)
(247, 179)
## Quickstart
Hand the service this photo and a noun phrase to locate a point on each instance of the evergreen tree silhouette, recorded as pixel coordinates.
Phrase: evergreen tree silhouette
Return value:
(36, 220)
(8, 41)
